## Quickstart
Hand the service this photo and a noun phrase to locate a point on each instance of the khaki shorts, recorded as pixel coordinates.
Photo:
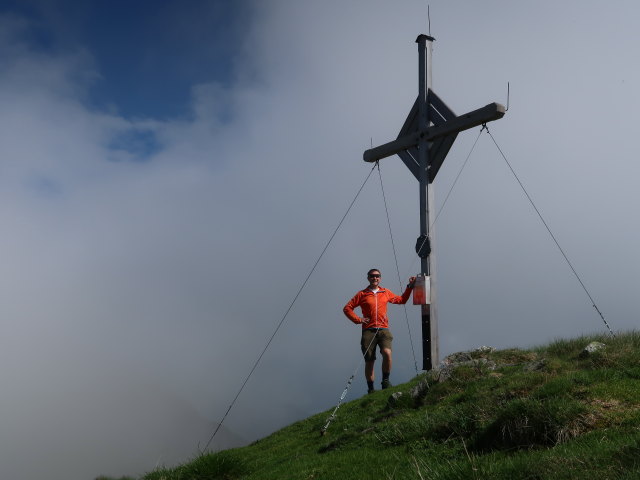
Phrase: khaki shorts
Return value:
(372, 338)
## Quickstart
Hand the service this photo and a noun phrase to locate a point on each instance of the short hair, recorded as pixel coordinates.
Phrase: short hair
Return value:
(373, 270)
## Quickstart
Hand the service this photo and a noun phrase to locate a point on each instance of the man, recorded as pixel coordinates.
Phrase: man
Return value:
(375, 324)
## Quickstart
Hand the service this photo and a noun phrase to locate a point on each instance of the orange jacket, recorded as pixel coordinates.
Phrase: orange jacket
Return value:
(373, 306)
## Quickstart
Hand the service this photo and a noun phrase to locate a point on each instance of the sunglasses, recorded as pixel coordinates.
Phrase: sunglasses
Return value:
(374, 275)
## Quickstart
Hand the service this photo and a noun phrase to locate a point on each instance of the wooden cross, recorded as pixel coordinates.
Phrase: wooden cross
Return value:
(423, 143)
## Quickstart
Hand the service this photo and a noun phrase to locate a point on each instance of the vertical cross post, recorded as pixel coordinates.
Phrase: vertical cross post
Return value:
(429, 312)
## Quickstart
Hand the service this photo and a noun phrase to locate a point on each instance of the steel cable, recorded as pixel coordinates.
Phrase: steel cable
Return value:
(450, 191)
(332, 417)
(255, 365)
(553, 237)
(395, 257)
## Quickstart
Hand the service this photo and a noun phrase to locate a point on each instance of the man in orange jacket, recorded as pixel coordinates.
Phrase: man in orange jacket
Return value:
(375, 324)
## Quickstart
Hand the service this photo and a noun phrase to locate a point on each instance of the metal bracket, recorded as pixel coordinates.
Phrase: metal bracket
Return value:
(423, 246)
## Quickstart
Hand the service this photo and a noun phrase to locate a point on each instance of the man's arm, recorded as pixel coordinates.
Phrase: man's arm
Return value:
(402, 299)
(349, 309)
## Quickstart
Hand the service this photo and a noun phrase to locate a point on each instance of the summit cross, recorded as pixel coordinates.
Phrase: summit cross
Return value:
(422, 144)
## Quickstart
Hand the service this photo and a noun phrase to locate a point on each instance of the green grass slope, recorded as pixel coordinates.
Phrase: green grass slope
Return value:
(544, 413)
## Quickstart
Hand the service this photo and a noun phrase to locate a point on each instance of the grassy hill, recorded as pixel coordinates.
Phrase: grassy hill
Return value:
(551, 412)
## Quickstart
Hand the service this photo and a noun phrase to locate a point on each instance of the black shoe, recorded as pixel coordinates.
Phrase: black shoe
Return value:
(371, 390)
(386, 384)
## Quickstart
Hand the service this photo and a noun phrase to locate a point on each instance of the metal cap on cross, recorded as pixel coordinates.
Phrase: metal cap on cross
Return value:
(422, 144)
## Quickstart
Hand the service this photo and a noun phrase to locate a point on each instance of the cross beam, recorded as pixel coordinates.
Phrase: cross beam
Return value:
(422, 144)
(493, 111)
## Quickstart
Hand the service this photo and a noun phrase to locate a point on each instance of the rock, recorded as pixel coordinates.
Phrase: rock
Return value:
(484, 349)
(591, 348)
(467, 356)
(446, 369)
(420, 390)
(456, 358)
(444, 373)
(394, 398)
(535, 365)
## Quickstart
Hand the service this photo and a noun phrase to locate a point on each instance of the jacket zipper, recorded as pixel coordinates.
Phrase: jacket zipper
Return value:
(376, 322)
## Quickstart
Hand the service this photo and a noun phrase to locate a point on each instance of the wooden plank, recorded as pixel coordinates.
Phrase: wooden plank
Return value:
(410, 124)
(391, 148)
(437, 104)
(436, 117)
(438, 113)
(410, 162)
(488, 113)
(438, 154)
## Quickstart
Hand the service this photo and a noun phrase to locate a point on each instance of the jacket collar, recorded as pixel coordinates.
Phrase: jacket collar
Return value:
(380, 289)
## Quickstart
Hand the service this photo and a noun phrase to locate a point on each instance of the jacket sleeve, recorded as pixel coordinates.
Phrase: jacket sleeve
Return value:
(400, 299)
(349, 312)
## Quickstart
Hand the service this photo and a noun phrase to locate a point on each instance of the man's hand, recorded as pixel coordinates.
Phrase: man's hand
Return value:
(412, 281)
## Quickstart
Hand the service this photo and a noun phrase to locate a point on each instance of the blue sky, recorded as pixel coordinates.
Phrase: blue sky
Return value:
(147, 54)
(169, 172)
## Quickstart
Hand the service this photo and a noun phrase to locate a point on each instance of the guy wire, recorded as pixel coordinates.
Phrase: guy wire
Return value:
(444, 202)
(255, 365)
(332, 417)
(593, 303)
(451, 189)
(395, 257)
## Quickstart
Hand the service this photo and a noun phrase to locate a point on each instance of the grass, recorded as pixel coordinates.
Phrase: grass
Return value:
(544, 413)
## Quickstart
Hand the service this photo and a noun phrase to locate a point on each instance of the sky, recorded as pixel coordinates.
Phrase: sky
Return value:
(171, 171)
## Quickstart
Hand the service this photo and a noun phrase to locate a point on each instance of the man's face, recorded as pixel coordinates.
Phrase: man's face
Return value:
(374, 278)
